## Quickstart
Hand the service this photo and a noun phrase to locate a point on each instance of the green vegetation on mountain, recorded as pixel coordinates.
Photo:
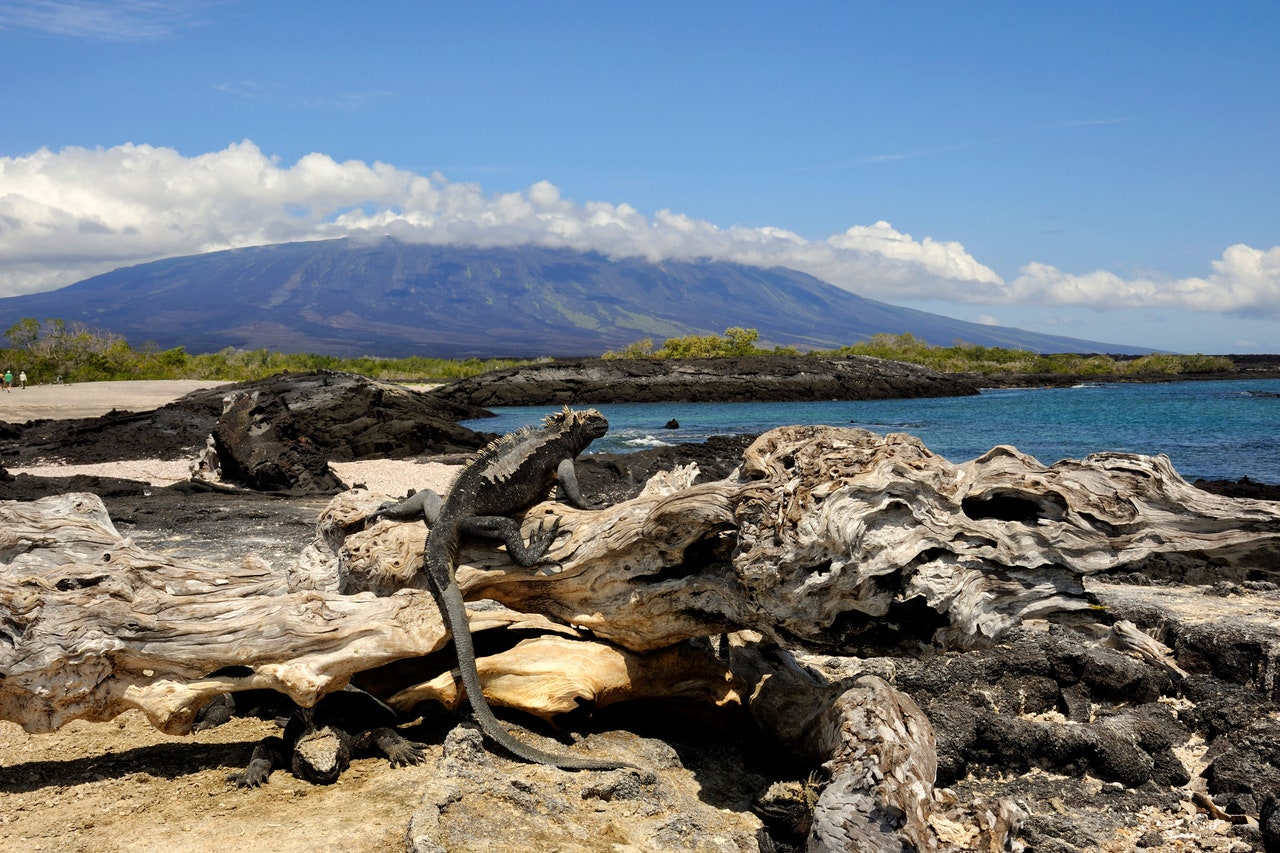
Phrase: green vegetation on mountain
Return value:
(54, 349)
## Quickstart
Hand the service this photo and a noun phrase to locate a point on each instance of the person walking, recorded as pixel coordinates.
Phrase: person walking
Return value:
(22, 379)
(8, 380)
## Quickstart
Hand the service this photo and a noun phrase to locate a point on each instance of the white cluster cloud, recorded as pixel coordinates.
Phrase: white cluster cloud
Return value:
(76, 212)
(1244, 280)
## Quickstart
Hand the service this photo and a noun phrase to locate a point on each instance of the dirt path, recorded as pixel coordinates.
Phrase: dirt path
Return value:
(124, 787)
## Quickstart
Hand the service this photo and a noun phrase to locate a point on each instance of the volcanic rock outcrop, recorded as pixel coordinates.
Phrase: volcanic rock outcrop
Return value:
(759, 379)
(273, 435)
(281, 434)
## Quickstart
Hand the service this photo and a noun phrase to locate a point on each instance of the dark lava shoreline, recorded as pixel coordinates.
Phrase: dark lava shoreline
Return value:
(1246, 367)
(345, 417)
(774, 379)
(770, 378)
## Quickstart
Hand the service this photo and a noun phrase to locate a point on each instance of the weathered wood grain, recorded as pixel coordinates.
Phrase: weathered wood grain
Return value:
(828, 539)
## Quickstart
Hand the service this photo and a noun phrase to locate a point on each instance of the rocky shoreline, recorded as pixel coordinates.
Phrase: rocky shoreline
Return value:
(1101, 752)
(769, 379)
(704, 380)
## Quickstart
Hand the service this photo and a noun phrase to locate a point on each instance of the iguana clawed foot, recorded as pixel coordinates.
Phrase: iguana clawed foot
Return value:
(266, 755)
(540, 541)
(401, 752)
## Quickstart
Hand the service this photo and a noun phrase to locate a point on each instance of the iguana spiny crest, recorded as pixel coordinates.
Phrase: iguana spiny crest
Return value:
(506, 456)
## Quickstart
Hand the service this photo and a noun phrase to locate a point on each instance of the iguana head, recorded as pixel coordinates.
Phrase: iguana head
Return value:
(588, 423)
(321, 755)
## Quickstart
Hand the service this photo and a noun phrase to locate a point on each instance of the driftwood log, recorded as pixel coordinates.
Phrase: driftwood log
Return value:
(827, 539)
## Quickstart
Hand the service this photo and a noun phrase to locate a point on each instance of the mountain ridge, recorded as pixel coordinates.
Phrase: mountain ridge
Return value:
(394, 299)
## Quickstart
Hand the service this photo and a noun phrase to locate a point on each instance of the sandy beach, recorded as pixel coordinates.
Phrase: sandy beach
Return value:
(91, 399)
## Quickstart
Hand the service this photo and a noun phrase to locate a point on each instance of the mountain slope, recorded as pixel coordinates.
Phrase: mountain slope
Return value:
(345, 298)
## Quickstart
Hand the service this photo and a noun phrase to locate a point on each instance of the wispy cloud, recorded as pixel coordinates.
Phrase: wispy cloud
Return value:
(348, 101)
(69, 214)
(249, 90)
(917, 153)
(941, 150)
(890, 157)
(276, 93)
(106, 20)
(1094, 122)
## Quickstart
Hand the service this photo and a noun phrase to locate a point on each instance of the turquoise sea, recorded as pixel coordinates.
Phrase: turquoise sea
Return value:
(1216, 430)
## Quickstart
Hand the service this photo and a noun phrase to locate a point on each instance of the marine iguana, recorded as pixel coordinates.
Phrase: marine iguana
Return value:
(318, 743)
(500, 484)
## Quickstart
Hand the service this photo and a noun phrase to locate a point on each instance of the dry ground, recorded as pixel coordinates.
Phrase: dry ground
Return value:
(125, 786)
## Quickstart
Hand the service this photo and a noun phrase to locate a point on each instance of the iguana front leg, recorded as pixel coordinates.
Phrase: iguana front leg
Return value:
(567, 477)
(268, 754)
(424, 505)
(398, 749)
(507, 531)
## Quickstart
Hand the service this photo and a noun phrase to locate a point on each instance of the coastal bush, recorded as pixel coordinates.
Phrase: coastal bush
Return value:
(961, 357)
(1178, 364)
(53, 350)
(971, 358)
(735, 342)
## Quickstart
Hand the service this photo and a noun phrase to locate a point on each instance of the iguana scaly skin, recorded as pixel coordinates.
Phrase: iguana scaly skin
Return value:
(504, 481)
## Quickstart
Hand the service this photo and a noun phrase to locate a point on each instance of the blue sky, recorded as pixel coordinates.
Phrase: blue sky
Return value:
(1104, 171)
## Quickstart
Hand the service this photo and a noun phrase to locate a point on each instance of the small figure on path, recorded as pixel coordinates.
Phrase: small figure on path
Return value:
(8, 381)
(22, 379)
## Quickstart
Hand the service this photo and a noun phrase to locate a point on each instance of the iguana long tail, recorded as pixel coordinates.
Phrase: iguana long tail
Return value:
(455, 616)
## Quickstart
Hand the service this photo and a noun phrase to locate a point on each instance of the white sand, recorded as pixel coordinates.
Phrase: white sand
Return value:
(394, 477)
(89, 399)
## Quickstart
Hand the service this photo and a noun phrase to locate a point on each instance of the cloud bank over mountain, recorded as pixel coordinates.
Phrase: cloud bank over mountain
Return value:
(76, 212)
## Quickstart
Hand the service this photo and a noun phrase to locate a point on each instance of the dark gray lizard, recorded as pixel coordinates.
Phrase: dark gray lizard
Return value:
(318, 743)
(498, 486)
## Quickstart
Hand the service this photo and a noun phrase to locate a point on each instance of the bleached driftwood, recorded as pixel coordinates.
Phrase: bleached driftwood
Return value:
(824, 532)
(878, 752)
(824, 539)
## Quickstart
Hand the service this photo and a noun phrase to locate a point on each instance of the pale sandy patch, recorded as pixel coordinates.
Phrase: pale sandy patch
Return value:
(91, 399)
(157, 472)
(393, 477)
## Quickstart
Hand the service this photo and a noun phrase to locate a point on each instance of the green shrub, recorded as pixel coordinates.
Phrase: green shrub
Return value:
(51, 349)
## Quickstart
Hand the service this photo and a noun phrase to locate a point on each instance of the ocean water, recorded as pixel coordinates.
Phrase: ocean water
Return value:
(1217, 430)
